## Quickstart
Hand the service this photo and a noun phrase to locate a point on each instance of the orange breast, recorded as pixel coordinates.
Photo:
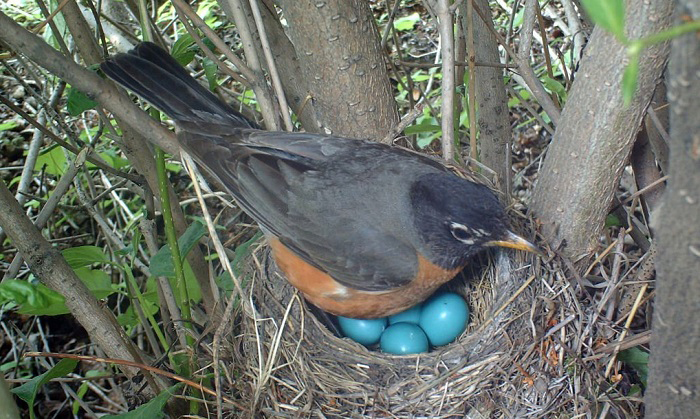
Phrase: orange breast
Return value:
(325, 292)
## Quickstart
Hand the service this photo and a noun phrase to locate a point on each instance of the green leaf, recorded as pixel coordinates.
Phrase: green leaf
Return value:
(78, 102)
(128, 319)
(463, 121)
(54, 161)
(209, 44)
(114, 159)
(555, 86)
(210, 70)
(152, 409)
(183, 50)
(611, 220)
(423, 142)
(609, 14)
(80, 256)
(30, 389)
(518, 19)
(422, 128)
(637, 359)
(97, 281)
(421, 76)
(193, 290)
(59, 24)
(181, 364)
(162, 262)
(406, 23)
(32, 299)
(241, 252)
(9, 125)
(8, 366)
(173, 167)
(83, 389)
(629, 79)
(635, 390)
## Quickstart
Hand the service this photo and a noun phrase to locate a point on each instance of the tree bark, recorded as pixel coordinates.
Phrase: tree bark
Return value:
(674, 371)
(493, 117)
(352, 96)
(594, 137)
(295, 85)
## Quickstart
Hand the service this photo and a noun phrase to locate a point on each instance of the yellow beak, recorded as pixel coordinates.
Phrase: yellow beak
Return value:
(514, 241)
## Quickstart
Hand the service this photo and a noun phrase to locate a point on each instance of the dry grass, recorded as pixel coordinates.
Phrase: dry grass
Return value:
(541, 343)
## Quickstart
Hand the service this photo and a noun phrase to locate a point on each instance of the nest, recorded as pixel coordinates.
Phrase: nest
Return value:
(523, 353)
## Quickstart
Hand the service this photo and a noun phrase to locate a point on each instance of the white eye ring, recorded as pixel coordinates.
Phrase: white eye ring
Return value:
(461, 233)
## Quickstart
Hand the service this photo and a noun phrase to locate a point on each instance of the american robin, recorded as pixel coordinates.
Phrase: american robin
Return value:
(362, 229)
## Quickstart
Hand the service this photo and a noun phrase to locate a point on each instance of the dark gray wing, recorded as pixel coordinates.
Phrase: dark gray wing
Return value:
(308, 191)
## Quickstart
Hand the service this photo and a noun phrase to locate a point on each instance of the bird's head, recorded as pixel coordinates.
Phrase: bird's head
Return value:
(456, 218)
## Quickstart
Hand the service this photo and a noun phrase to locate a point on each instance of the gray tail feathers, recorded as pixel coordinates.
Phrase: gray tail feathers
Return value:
(151, 73)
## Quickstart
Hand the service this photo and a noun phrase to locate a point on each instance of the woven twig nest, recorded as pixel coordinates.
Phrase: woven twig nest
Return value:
(293, 366)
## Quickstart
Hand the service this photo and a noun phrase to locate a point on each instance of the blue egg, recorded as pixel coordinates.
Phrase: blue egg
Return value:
(364, 331)
(404, 339)
(444, 318)
(412, 315)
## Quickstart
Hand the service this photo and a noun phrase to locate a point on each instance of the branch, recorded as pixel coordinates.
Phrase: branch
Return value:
(594, 138)
(106, 94)
(447, 54)
(52, 269)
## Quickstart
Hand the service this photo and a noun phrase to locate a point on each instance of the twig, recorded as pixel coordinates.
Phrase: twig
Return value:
(250, 44)
(86, 81)
(623, 335)
(49, 19)
(53, 270)
(187, 11)
(189, 164)
(526, 31)
(577, 35)
(471, 50)
(527, 74)
(403, 124)
(531, 109)
(545, 48)
(457, 64)
(272, 68)
(390, 22)
(448, 78)
(46, 212)
(92, 157)
(134, 365)
(205, 49)
(35, 145)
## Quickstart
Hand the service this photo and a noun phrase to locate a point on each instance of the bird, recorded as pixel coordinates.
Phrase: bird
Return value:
(362, 229)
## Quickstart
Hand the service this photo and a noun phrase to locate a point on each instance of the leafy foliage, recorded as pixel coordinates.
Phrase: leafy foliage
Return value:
(29, 390)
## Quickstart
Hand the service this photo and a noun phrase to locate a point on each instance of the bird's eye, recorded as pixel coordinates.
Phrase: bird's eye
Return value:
(461, 233)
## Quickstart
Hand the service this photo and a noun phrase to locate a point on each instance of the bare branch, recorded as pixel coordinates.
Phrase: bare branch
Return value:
(447, 53)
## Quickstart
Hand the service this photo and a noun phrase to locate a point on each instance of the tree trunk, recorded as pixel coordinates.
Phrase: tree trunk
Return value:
(352, 96)
(674, 373)
(493, 116)
(594, 138)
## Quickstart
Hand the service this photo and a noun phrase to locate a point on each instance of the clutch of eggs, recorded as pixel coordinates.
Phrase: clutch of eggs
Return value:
(438, 321)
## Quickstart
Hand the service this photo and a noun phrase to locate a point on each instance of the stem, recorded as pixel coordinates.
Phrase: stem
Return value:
(172, 239)
(673, 32)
